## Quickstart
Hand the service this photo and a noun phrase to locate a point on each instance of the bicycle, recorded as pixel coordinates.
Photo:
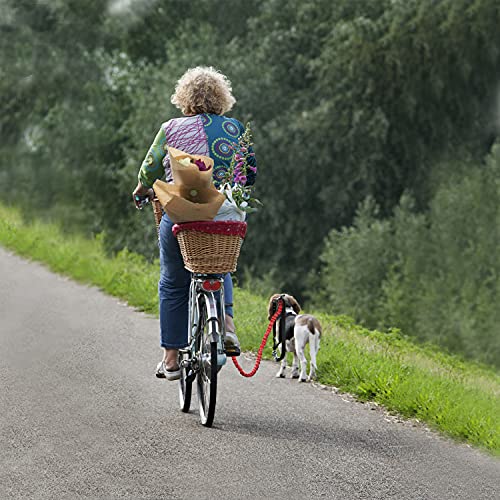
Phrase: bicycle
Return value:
(204, 356)
(209, 250)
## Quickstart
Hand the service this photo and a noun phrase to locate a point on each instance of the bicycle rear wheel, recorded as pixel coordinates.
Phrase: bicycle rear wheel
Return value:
(207, 368)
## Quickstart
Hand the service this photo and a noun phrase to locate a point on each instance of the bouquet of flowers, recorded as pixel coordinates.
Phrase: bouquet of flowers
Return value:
(192, 195)
(239, 200)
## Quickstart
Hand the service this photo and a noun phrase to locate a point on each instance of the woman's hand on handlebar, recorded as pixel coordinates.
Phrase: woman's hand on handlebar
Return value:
(142, 195)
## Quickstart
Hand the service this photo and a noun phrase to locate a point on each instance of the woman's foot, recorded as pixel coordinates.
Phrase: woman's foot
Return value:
(169, 367)
(163, 372)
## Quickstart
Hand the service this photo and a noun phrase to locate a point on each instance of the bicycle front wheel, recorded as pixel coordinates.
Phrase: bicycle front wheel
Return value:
(207, 369)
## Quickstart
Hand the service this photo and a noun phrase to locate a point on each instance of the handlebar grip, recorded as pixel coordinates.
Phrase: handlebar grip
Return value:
(140, 201)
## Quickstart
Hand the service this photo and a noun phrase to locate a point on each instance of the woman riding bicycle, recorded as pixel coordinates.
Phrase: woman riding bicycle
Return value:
(204, 96)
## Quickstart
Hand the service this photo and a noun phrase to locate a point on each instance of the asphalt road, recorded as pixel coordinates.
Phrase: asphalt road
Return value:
(82, 416)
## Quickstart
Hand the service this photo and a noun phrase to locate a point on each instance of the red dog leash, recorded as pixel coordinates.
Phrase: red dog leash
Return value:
(261, 348)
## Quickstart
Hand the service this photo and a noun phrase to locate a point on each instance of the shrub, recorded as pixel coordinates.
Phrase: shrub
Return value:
(435, 275)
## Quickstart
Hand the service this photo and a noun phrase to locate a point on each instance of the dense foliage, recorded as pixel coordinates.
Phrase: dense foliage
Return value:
(349, 101)
(435, 274)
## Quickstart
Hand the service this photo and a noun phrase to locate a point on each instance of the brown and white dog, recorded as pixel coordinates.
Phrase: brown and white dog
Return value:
(300, 329)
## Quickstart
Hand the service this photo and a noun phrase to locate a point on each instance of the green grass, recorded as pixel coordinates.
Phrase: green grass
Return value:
(127, 275)
(458, 398)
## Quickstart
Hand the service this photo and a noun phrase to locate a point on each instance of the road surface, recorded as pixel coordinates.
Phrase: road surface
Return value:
(82, 416)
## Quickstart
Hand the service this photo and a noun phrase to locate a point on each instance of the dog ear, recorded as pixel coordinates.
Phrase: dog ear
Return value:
(294, 304)
(270, 307)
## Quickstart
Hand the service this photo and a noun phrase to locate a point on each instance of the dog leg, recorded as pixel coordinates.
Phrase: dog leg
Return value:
(281, 373)
(303, 364)
(295, 365)
(290, 347)
(301, 338)
(313, 350)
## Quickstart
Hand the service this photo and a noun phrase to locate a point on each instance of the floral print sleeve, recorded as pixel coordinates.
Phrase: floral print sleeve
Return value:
(152, 167)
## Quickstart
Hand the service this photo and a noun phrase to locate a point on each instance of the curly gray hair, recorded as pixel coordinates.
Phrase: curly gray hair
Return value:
(203, 90)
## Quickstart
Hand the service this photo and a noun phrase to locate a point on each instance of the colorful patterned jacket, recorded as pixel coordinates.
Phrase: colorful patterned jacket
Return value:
(204, 134)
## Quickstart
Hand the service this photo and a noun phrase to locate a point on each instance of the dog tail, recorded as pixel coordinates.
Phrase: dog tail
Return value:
(310, 326)
(313, 325)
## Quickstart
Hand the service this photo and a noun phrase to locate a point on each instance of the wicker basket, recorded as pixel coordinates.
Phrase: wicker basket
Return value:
(158, 213)
(210, 247)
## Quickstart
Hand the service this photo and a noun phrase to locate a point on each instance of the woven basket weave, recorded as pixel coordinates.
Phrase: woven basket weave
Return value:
(206, 250)
(158, 213)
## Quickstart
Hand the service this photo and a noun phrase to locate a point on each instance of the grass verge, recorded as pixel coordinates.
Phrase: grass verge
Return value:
(458, 398)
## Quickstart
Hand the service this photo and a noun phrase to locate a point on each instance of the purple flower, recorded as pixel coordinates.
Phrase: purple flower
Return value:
(240, 164)
(201, 165)
(253, 169)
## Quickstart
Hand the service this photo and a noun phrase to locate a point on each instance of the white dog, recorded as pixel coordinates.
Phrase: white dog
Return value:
(300, 329)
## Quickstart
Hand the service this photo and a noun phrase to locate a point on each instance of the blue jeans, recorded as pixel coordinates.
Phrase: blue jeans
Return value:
(173, 290)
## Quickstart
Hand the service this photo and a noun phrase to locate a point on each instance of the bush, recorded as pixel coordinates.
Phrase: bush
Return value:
(356, 261)
(434, 275)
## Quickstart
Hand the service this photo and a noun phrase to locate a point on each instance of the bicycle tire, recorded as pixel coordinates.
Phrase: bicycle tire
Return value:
(185, 385)
(207, 376)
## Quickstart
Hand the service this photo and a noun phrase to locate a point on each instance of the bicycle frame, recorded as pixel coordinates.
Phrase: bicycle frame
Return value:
(216, 320)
